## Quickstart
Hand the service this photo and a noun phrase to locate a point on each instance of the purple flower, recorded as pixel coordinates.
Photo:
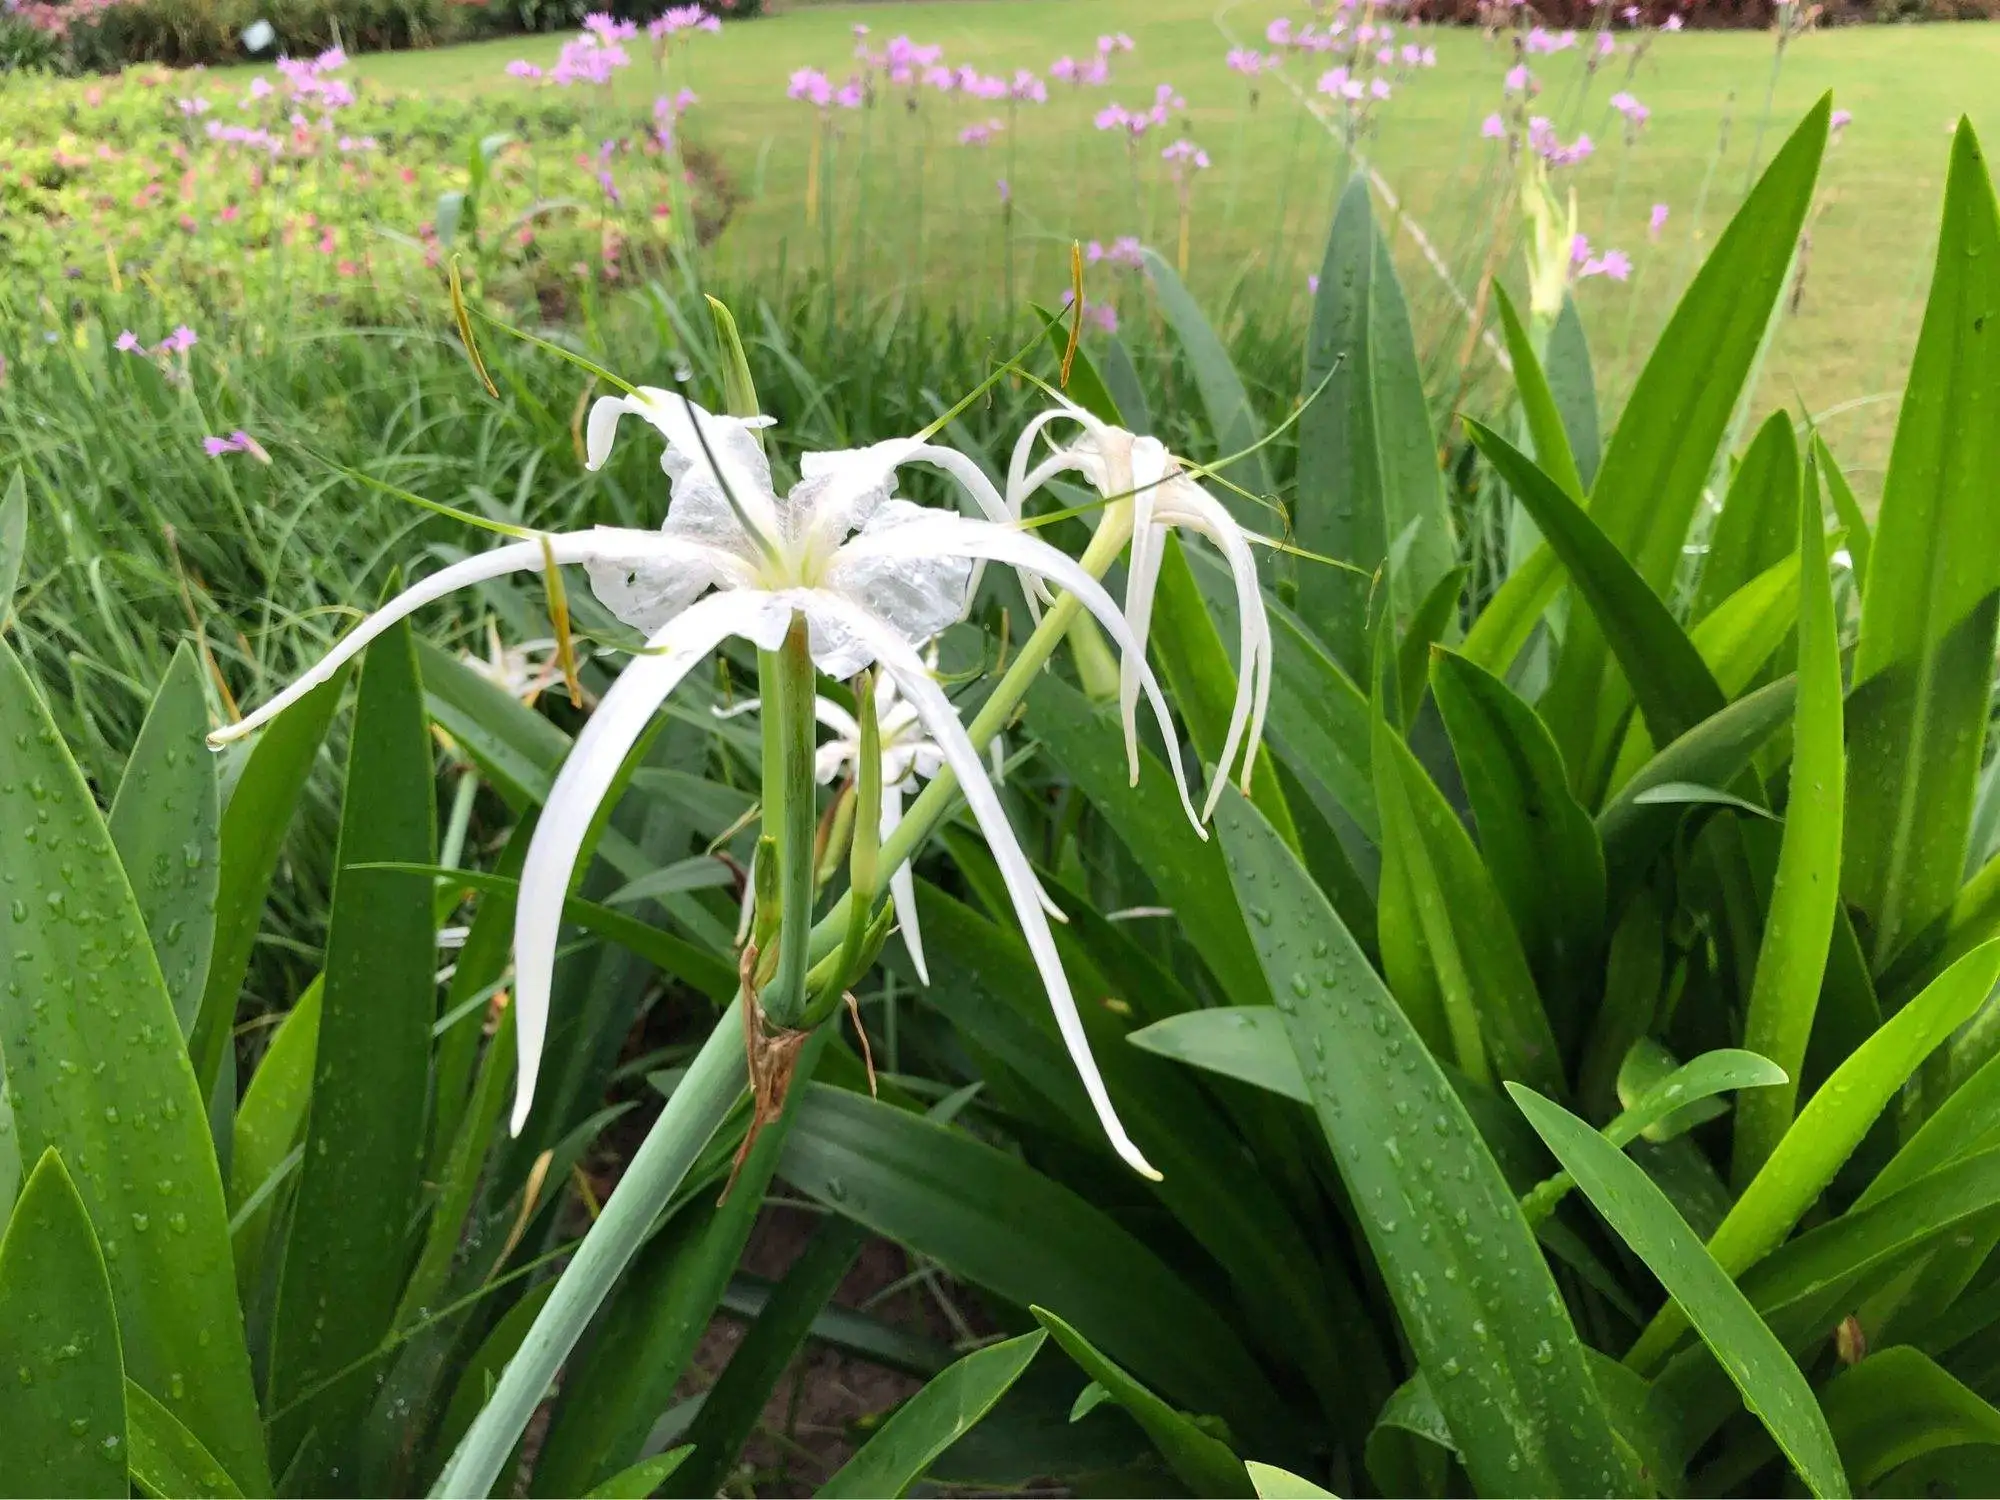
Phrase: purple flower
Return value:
(1613, 263)
(1579, 249)
(1244, 60)
(192, 107)
(1279, 32)
(1006, 192)
(1117, 42)
(520, 68)
(1063, 68)
(1605, 45)
(128, 343)
(1112, 117)
(1635, 113)
(1312, 282)
(1164, 97)
(1519, 80)
(1185, 153)
(332, 58)
(1839, 119)
(1630, 14)
(1096, 73)
(1028, 88)
(179, 341)
(260, 88)
(238, 441)
(1657, 220)
(940, 78)
(1493, 128)
(1099, 315)
(850, 95)
(811, 85)
(1542, 137)
(1673, 23)
(979, 135)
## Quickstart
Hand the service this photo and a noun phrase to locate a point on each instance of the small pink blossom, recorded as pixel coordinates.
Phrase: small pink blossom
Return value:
(521, 68)
(1378, 88)
(1605, 45)
(1839, 119)
(1519, 80)
(128, 343)
(979, 135)
(1027, 88)
(1279, 32)
(1615, 264)
(1493, 128)
(1185, 153)
(193, 107)
(1312, 283)
(810, 85)
(1657, 220)
(1673, 23)
(1635, 113)
(1063, 69)
(179, 341)
(238, 441)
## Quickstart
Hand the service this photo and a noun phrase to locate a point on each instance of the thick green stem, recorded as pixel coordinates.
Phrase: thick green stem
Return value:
(696, 1108)
(929, 809)
(791, 817)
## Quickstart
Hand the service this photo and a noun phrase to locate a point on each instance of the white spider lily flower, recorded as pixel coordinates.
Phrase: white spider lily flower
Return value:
(521, 671)
(908, 754)
(871, 575)
(1150, 495)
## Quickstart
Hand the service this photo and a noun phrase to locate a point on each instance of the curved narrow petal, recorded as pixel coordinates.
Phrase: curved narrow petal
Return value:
(705, 446)
(914, 680)
(604, 543)
(586, 776)
(836, 718)
(1019, 486)
(903, 888)
(969, 538)
(1142, 572)
(1188, 505)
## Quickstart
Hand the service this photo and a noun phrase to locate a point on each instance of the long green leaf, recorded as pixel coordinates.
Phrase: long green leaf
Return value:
(1860, 538)
(348, 1249)
(1831, 1125)
(254, 823)
(1274, 1483)
(96, 1068)
(1513, 1383)
(1771, 1384)
(1673, 685)
(1574, 386)
(1758, 527)
(167, 1461)
(164, 826)
(1897, 1405)
(269, 1123)
(940, 1414)
(1367, 457)
(1806, 891)
(1536, 840)
(13, 541)
(992, 1220)
(1923, 667)
(1661, 455)
(1231, 421)
(643, 1478)
(1201, 1462)
(62, 1403)
(1538, 403)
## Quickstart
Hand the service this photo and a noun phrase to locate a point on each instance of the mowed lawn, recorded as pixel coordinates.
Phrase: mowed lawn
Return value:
(905, 212)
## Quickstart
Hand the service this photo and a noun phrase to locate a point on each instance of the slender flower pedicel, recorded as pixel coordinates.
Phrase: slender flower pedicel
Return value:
(872, 576)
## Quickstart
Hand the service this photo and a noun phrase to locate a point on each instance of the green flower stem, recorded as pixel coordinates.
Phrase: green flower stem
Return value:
(934, 801)
(697, 1107)
(792, 816)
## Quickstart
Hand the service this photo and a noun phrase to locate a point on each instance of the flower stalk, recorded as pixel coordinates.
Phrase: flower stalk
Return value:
(790, 815)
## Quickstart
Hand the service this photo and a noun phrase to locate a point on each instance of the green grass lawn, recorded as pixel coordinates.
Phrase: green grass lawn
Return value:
(907, 212)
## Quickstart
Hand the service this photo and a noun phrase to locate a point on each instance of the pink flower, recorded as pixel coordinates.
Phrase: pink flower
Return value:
(1657, 220)
(1099, 315)
(260, 88)
(1006, 192)
(1635, 113)
(330, 59)
(1185, 153)
(940, 78)
(1279, 32)
(192, 107)
(1096, 74)
(179, 341)
(979, 135)
(850, 95)
(812, 86)
(1613, 263)
(1379, 88)
(128, 343)
(1112, 117)
(229, 213)
(1519, 80)
(1839, 119)
(1673, 23)
(519, 68)
(1063, 68)
(1605, 45)
(1579, 249)
(238, 441)
(1542, 137)
(1312, 282)
(1244, 60)
(1027, 88)
(1117, 42)
(1493, 128)
(327, 243)
(347, 268)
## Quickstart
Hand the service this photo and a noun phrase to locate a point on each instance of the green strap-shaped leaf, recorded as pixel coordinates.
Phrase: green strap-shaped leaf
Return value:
(1245, 1042)
(167, 1461)
(254, 822)
(1538, 402)
(939, 1415)
(1771, 1384)
(1574, 387)
(1367, 456)
(62, 1401)
(1455, 925)
(1230, 418)
(270, 1122)
(1512, 1380)
(993, 1220)
(1274, 1483)
(1805, 894)
(348, 1249)
(1674, 687)
(643, 1478)
(1828, 1129)
(164, 826)
(1201, 1462)
(1758, 527)
(13, 541)
(1860, 537)
(96, 1068)
(1536, 840)
(1897, 1405)
(1712, 754)
(1663, 451)
(1923, 667)
(733, 1404)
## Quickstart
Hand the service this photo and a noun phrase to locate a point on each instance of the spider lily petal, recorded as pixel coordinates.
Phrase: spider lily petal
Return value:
(903, 887)
(967, 538)
(917, 686)
(605, 543)
(703, 448)
(586, 776)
